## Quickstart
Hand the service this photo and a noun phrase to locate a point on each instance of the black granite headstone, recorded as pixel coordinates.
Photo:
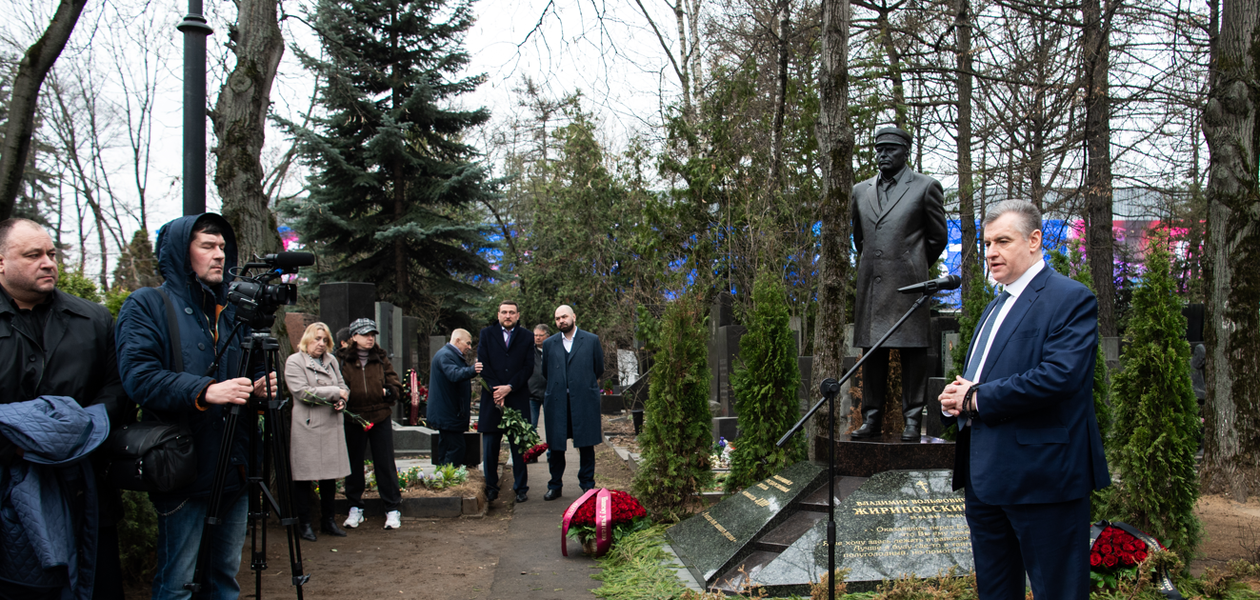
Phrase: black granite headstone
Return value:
(898, 523)
(341, 303)
(719, 537)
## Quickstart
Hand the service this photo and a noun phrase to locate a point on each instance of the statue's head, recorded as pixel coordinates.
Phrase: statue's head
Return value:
(892, 146)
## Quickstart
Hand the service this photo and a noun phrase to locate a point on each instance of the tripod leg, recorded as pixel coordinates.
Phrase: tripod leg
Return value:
(214, 505)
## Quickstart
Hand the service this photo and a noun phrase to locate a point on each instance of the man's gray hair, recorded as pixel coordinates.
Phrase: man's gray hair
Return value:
(1028, 217)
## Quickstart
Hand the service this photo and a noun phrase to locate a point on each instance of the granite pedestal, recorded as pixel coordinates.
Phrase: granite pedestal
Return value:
(865, 458)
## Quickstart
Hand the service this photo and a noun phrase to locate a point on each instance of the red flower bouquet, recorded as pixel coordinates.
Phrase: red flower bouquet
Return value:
(599, 519)
(533, 453)
(1116, 547)
(1117, 550)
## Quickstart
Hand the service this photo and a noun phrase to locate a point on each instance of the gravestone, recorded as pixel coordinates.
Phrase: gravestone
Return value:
(932, 415)
(716, 539)
(341, 303)
(897, 523)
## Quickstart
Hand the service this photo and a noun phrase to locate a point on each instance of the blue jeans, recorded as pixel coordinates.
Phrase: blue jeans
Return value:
(535, 407)
(180, 525)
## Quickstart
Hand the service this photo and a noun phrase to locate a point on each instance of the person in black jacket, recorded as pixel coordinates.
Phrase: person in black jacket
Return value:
(507, 353)
(58, 345)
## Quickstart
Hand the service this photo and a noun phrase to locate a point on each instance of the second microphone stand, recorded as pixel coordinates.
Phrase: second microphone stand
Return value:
(830, 388)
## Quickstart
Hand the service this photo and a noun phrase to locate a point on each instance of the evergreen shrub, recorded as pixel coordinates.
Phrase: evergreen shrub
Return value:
(765, 385)
(1157, 416)
(676, 419)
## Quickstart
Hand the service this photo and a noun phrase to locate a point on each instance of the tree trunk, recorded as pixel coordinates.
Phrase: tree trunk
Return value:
(1098, 239)
(240, 119)
(1232, 436)
(835, 145)
(784, 9)
(24, 100)
(966, 185)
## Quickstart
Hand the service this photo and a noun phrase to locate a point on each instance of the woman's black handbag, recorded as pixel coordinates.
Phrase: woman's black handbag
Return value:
(153, 456)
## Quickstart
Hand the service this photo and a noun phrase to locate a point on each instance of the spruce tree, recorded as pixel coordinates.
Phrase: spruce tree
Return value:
(765, 385)
(676, 419)
(393, 181)
(1156, 415)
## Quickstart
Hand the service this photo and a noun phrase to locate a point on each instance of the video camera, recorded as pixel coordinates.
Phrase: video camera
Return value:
(255, 298)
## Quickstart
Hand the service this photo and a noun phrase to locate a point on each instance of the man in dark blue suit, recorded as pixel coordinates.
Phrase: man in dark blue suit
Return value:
(450, 397)
(507, 351)
(1029, 451)
(573, 362)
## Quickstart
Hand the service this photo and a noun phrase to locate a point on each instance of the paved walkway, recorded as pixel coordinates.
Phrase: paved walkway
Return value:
(531, 565)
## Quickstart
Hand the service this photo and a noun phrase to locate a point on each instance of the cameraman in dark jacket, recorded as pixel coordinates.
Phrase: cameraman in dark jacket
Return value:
(196, 255)
(374, 388)
(58, 345)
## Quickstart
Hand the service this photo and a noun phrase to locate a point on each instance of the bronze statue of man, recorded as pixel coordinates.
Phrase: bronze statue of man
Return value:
(899, 231)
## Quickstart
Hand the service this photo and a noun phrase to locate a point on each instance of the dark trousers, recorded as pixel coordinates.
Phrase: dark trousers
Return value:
(586, 468)
(914, 376)
(490, 444)
(450, 448)
(1049, 542)
(302, 499)
(108, 584)
(381, 437)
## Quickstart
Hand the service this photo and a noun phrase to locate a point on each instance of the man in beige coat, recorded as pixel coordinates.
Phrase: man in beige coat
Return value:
(317, 441)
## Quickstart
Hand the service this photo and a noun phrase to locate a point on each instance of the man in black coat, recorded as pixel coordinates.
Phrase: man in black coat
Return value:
(506, 351)
(899, 231)
(58, 345)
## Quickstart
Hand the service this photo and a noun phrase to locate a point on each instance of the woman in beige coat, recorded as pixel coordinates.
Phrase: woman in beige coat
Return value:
(317, 442)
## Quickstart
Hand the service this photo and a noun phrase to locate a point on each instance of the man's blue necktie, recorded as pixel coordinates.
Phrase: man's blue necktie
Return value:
(977, 353)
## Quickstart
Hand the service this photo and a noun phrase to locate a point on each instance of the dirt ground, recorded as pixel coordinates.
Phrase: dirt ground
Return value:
(427, 559)
(457, 559)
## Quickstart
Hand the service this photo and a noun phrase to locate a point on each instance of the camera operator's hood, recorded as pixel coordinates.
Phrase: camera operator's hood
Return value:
(172, 254)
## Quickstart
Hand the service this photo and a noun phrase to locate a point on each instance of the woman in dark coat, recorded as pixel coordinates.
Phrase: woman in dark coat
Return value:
(373, 388)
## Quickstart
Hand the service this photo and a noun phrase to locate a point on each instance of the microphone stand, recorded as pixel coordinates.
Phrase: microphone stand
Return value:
(830, 388)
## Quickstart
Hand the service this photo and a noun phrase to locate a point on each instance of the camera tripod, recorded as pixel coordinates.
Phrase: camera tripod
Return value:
(275, 454)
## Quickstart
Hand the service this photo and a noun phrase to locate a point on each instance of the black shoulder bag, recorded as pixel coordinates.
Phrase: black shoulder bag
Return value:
(152, 456)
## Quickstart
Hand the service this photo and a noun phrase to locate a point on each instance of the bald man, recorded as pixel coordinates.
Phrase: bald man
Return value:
(573, 362)
(56, 344)
(450, 397)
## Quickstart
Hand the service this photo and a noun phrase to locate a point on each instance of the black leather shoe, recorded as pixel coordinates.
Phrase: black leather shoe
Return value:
(911, 433)
(521, 497)
(872, 422)
(552, 494)
(330, 527)
(306, 533)
(492, 495)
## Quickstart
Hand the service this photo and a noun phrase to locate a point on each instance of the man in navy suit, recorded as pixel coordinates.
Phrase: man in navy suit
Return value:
(507, 351)
(1029, 451)
(573, 362)
(450, 397)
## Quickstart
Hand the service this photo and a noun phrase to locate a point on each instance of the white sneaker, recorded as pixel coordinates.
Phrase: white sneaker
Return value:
(393, 519)
(356, 517)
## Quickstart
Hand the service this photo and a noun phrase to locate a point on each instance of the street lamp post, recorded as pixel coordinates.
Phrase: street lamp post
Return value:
(195, 32)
